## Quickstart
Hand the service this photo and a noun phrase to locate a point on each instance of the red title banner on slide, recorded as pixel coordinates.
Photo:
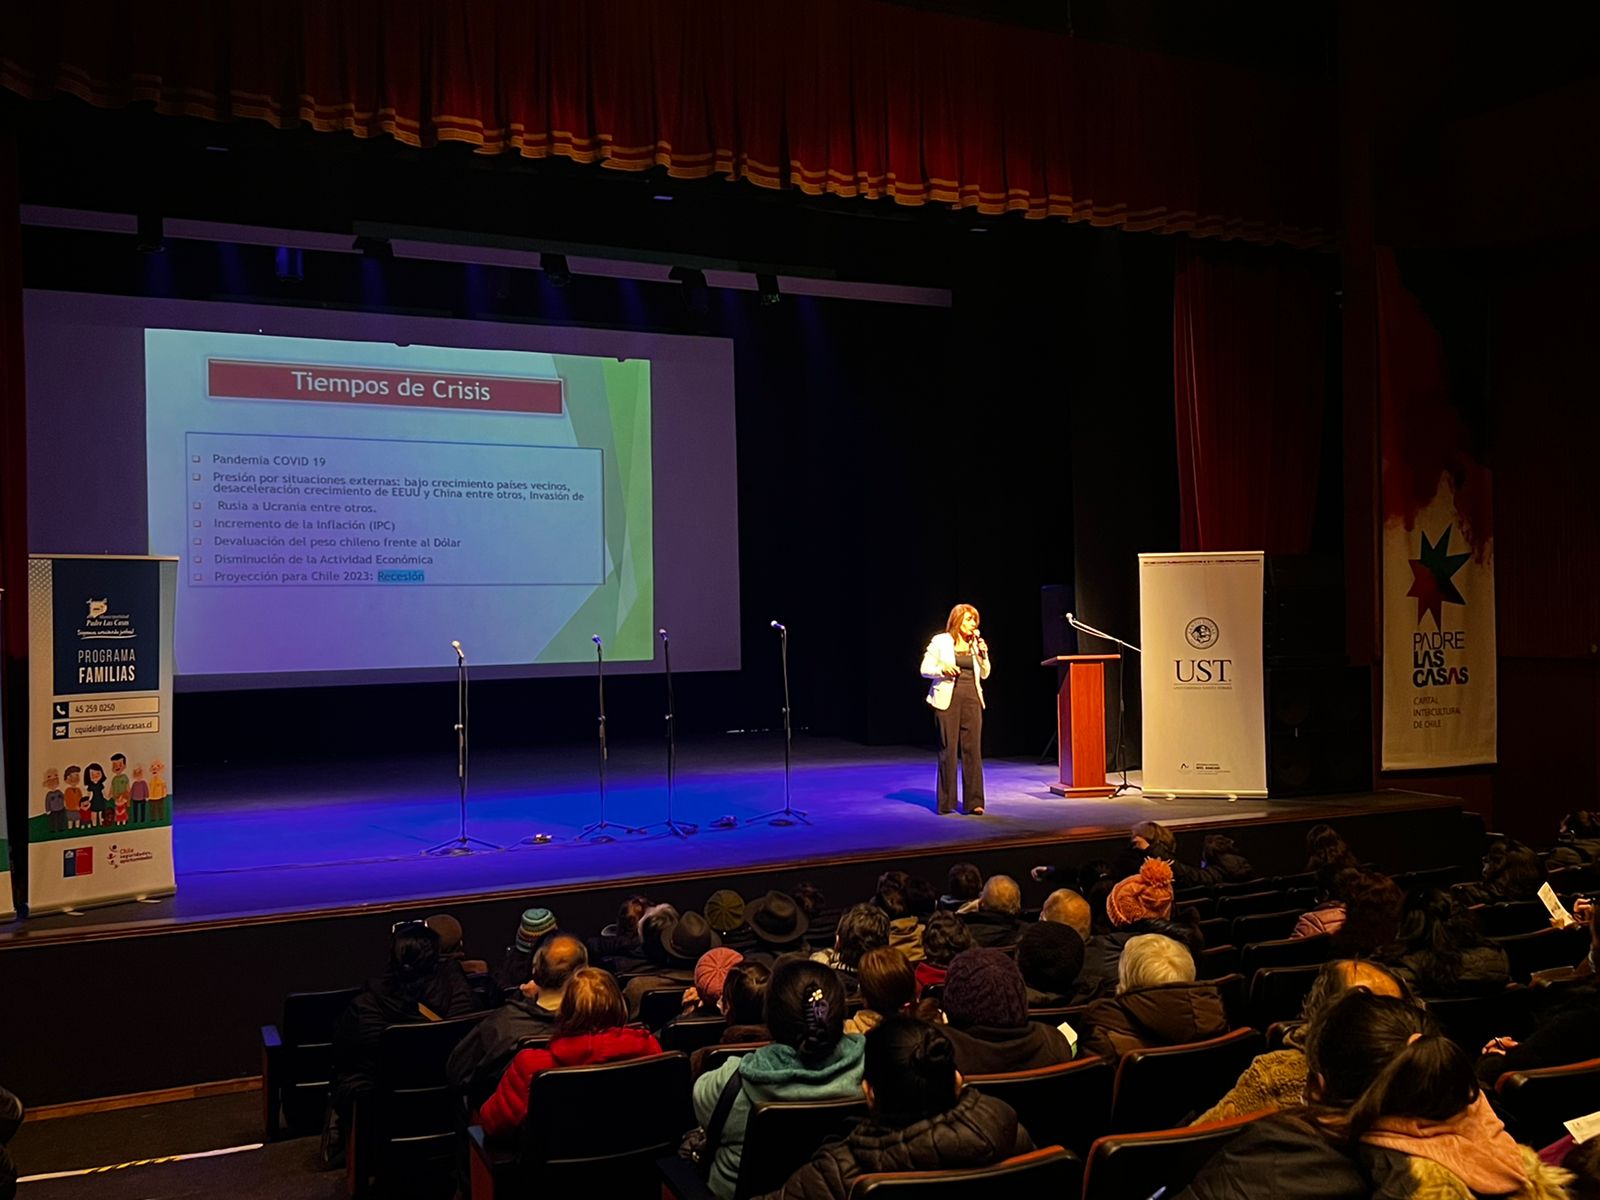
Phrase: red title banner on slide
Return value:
(233, 380)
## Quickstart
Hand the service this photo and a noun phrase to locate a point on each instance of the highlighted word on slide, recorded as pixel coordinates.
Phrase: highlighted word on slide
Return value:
(283, 510)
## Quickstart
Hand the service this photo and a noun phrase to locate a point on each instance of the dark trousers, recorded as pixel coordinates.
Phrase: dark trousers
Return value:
(961, 736)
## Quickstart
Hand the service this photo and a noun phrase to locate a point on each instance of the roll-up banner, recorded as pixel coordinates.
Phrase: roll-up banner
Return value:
(99, 729)
(1203, 673)
(1439, 658)
(6, 909)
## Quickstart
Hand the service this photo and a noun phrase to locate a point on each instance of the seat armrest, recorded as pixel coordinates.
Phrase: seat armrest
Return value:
(271, 1052)
(680, 1178)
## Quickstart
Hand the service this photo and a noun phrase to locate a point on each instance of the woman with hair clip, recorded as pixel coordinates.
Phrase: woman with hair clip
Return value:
(810, 1058)
(921, 1118)
(957, 662)
(1392, 1111)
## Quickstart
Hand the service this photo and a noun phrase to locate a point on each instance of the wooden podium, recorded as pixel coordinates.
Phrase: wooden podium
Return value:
(1081, 723)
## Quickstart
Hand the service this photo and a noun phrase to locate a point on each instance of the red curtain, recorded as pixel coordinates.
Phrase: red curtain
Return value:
(847, 97)
(1249, 361)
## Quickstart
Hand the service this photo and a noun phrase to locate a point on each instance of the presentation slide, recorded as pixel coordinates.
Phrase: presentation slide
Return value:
(344, 507)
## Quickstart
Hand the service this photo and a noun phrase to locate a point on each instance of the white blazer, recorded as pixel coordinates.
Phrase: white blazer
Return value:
(941, 653)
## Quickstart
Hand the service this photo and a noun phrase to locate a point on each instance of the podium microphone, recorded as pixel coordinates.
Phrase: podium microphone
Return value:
(662, 634)
(595, 638)
(459, 653)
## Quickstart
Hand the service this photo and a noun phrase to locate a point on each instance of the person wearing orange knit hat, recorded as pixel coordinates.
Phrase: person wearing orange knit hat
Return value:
(1140, 903)
(1143, 896)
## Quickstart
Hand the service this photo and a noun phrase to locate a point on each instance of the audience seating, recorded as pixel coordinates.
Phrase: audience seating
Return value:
(1278, 1035)
(1470, 1021)
(1061, 1105)
(1203, 907)
(297, 1061)
(1431, 877)
(779, 1140)
(1217, 961)
(1235, 996)
(1530, 952)
(1164, 1086)
(660, 1005)
(1535, 1103)
(1285, 952)
(691, 1033)
(1244, 887)
(1072, 1014)
(1509, 919)
(1049, 1172)
(594, 1130)
(1250, 902)
(715, 1056)
(1279, 993)
(1264, 926)
(1215, 931)
(1288, 883)
(406, 1127)
(1131, 1166)
(1584, 878)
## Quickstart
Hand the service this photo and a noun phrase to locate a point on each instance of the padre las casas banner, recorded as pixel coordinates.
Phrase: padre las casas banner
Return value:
(1438, 552)
(99, 729)
(1203, 674)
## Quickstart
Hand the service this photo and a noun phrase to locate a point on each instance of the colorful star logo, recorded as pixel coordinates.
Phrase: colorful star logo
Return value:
(1431, 577)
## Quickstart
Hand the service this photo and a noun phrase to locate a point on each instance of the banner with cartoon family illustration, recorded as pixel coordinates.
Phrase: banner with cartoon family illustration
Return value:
(99, 730)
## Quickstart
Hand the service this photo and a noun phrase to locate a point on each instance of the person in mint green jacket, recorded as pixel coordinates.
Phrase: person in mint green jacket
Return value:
(810, 1058)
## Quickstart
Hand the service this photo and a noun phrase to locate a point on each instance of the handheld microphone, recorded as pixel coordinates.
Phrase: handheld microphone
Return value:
(459, 652)
(778, 626)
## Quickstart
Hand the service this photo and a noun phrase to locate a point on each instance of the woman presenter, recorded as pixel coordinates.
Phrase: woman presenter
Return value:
(957, 661)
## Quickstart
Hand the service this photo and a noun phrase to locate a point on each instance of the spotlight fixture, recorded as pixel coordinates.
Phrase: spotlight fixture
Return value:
(373, 247)
(555, 266)
(767, 285)
(690, 277)
(151, 233)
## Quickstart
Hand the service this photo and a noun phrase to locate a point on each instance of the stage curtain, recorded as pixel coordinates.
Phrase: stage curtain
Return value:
(1249, 351)
(840, 97)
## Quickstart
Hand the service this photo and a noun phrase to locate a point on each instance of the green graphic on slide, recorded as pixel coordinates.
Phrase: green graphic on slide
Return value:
(625, 602)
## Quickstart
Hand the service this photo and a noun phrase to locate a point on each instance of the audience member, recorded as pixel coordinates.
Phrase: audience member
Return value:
(1329, 914)
(481, 1057)
(1137, 905)
(862, 927)
(704, 996)
(415, 986)
(997, 920)
(905, 931)
(1327, 855)
(591, 1027)
(961, 886)
(945, 937)
(450, 944)
(1394, 1111)
(888, 986)
(516, 964)
(1158, 1002)
(815, 906)
(922, 898)
(920, 1118)
(810, 1058)
(778, 924)
(12, 1112)
(1439, 952)
(725, 913)
(1050, 957)
(681, 943)
(1066, 907)
(744, 1002)
(1582, 1162)
(1578, 841)
(1221, 862)
(1564, 1029)
(1372, 904)
(986, 1004)
(1276, 1080)
(1511, 871)
(617, 947)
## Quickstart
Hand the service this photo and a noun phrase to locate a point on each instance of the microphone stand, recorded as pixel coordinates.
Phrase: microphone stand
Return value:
(598, 828)
(461, 843)
(788, 814)
(1122, 710)
(680, 828)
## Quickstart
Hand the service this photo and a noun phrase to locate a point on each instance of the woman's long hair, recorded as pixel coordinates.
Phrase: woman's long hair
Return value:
(1434, 931)
(805, 1009)
(1370, 1057)
(590, 1002)
(953, 622)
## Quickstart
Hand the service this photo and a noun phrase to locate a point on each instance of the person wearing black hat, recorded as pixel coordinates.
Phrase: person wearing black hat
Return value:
(778, 924)
(679, 946)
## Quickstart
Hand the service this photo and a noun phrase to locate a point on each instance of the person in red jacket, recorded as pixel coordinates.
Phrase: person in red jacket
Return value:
(591, 1027)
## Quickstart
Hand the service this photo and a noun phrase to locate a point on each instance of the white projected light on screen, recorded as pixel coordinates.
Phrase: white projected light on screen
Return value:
(337, 504)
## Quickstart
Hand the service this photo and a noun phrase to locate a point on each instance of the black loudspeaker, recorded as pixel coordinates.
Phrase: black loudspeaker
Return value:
(1056, 636)
(1319, 730)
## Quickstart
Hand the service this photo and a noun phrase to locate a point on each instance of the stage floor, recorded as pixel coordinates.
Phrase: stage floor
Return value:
(264, 841)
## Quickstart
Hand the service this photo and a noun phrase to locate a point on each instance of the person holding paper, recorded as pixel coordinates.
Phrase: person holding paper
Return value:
(957, 662)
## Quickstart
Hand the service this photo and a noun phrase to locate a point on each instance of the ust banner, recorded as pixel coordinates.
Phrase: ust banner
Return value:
(1438, 551)
(99, 730)
(1203, 674)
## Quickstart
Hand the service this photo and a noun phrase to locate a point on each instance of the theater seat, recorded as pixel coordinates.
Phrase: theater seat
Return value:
(1131, 1166)
(1052, 1172)
(1279, 993)
(1535, 1103)
(1160, 1088)
(779, 1139)
(1061, 1105)
(297, 1062)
